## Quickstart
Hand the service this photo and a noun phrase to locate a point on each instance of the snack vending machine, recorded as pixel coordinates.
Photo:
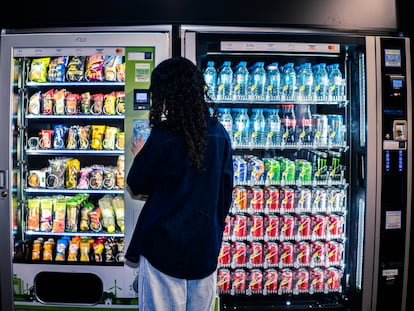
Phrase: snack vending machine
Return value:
(75, 99)
(320, 125)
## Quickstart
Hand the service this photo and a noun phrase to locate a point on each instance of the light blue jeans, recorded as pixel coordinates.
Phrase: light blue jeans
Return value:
(158, 291)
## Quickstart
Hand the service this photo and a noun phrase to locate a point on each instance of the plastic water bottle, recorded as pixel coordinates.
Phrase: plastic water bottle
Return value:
(304, 124)
(272, 127)
(257, 124)
(288, 122)
(306, 82)
(241, 127)
(272, 82)
(321, 82)
(224, 81)
(210, 78)
(241, 80)
(288, 82)
(227, 120)
(258, 81)
(336, 91)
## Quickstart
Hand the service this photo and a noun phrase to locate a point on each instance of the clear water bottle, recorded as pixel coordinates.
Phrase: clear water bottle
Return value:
(306, 82)
(257, 124)
(210, 78)
(241, 80)
(258, 81)
(336, 90)
(227, 120)
(241, 132)
(321, 82)
(272, 127)
(288, 83)
(304, 124)
(272, 82)
(224, 81)
(288, 122)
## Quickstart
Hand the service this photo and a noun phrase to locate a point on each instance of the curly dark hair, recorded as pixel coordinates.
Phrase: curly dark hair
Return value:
(178, 103)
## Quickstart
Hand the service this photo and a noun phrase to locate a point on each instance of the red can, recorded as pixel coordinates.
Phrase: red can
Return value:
(256, 196)
(303, 253)
(256, 254)
(304, 226)
(288, 227)
(319, 225)
(287, 253)
(255, 281)
(333, 278)
(287, 197)
(318, 253)
(227, 228)
(272, 196)
(304, 199)
(272, 227)
(239, 281)
(256, 227)
(223, 280)
(271, 277)
(225, 254)
(272, 254)
(286, 281)
(301, 280)
(239, 258)
(334, 250)
(240, 227)
(335, 225)
(240, 198)
(317, 277)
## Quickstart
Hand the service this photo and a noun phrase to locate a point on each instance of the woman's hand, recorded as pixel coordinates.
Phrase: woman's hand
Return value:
(137, 144)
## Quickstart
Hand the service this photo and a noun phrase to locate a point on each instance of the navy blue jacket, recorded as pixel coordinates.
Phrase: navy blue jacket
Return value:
(180, 227)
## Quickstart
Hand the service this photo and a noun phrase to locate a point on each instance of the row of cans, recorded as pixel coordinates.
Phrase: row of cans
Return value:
(279, 281)
(275, 199)
(251, 170)
(320, 253)
(254, 227)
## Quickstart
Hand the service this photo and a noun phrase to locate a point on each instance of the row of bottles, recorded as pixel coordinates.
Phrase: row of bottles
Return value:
(269, 127)
(273, 83)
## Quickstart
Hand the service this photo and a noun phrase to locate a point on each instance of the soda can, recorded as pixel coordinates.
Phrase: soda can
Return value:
(317, 280)
(334, 250)
(303, 200)
(255, 281)
(256, 199)
(286, 281)
(318, 253)
(303, 254)
(239, 255)
(239, 227)
(240, 199)
(336, 200)
(240, 170)
(287, 198)
(288, 171)
(304, 226)
(255, 254)
(256, 228)
(271, 254)
(321, 127)
(227, 228)
(333, 279)
(320, 198)
(286, 254)
(301, 281)
(336, 224)
(319, 225)
(288, 226)
(272, 196)
(225, 254)
(224, 280)
(256, 170)
(334, 164)
(271, 278)
(272, 227)
(304, 171)
(335, 128)
(239, 281)
(272, 168)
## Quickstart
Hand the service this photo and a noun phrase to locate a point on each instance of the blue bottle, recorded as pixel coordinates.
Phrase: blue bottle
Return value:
(288, 83)
(258, 82)
(241, 80)
(306, 82)
(273, 135)
(210, 78)
(336, 90)
(241, 132)
(257, 124)
(225, 81)
(272, 82)
(227, 120)
(321, 82)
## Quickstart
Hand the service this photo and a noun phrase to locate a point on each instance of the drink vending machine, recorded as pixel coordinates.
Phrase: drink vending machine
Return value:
(320, 127)
(75, 100)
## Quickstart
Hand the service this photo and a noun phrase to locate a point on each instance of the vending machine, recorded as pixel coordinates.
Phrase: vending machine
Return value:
(71, 101)
(321, 132)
